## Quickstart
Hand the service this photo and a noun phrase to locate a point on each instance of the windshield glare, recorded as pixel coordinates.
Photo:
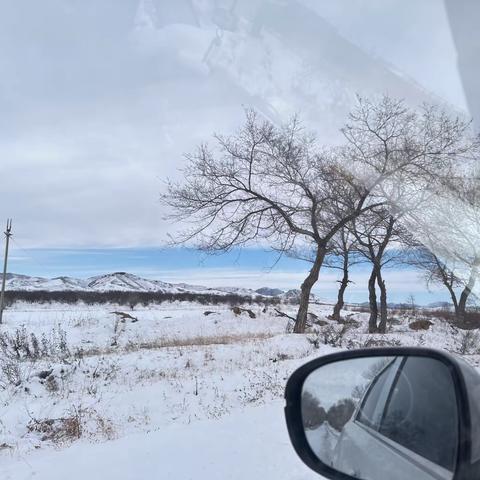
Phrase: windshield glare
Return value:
(199, 196)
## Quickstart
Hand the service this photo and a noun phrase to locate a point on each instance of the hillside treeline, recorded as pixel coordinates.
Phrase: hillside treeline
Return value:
(131, 299)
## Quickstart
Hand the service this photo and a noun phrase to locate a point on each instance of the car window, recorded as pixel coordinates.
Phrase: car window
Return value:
(371, 408)
(419, 411)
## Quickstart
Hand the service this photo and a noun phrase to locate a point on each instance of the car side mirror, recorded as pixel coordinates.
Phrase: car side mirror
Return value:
(396, 413)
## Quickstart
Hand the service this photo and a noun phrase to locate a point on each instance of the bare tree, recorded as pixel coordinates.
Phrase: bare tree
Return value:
(450, 228)
(374, 233)
(275, 184)
(400, 153)
(267, 183)
(403, 156)
(436, 271)
(412, 304)
(462, 250)
(342, 256)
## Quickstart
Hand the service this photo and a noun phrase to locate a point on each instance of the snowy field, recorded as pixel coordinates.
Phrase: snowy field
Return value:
(170, 393)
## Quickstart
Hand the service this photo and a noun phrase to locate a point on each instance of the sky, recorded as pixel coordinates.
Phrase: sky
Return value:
(249, 268)
(101, 100)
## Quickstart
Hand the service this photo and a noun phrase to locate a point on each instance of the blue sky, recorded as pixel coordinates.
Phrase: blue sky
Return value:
(249, 268)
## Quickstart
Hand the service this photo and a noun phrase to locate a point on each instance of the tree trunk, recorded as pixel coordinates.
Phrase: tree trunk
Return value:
(305, 290)
(462, 305)
(382, 326)
(462, 302)
(372, 298)
(453, 297)
(341, 291)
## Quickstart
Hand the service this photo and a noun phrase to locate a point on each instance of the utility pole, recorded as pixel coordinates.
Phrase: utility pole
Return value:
(8, 234)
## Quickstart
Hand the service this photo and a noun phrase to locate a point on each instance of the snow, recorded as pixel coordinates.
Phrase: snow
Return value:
(171, 392)
(248, 444)
(323, 441)
(173, 365)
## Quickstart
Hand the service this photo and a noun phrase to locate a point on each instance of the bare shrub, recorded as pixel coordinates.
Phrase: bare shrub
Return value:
(208, 357)
(21, 346)
(118, 329)
(105, 427)
(283, 356)
(260, 385)
(373, 342)
(420, 325)
(330, 335)
(349, 322)
(469, 342)
(10, 373)
(16, 345)
(394, 321)
(59, 430)
(78, 422)
(51, 384)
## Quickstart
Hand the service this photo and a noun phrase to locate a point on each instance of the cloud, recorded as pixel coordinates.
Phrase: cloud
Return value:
(97, 115)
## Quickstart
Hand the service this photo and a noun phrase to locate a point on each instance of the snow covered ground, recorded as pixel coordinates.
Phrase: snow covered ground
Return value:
(170, 393)
(250, 443)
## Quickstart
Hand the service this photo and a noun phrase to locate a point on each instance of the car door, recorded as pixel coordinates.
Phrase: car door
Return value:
(398, 419)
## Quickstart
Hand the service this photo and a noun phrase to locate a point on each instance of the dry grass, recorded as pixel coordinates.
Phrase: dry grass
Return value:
(197, 341)
(172, 342)
(58, 430)
(78, 422)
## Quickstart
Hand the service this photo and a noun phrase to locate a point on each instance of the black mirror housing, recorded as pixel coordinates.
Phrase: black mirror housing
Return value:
(464, 469)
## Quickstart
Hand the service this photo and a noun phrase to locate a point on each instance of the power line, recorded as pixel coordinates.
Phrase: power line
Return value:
(28, 254)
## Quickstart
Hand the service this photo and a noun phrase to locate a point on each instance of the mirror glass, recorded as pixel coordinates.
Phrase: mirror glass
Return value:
(383, 417)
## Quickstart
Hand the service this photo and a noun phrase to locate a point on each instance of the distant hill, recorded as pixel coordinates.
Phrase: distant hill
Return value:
(440, 305)
(269, 292)
(115, 282)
